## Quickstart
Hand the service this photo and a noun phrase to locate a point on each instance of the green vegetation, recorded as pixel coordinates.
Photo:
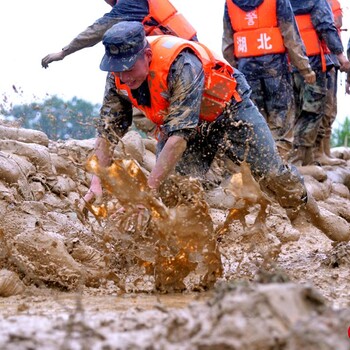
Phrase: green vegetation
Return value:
(58, 119)
(341, 134)
(61, 120)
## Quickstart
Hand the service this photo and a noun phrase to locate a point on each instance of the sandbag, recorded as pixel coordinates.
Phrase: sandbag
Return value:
(23, 135)
(150, 144)
(14, 169)
(37, 154)
(63, 165)
(319, 190)
(45, 256)
(149, 160)
(10, 284)
(133, 145)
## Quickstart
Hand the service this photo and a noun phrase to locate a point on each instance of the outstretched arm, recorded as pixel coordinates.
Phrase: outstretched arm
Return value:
(123, 10)
(88, 38)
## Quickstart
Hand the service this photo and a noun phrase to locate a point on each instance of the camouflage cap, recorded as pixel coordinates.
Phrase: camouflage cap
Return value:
(124, 43)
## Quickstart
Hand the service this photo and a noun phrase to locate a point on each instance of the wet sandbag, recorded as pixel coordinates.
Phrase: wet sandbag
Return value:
(64, 165)
(62, 185)
(338, 206)
(92, 260)
(7, 193)
(10, 284)
(319, 190)
(23, 135)
(14, 171)
(150, 144)
(340, 190)
(339, 175)
(77, 150)
(341, 152)
(43, 256)
(38, 155)
(133, 145)
(315, 171)
(149, 160)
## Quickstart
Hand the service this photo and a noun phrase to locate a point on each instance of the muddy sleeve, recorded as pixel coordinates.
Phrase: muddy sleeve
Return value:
(227, 45)
(185, 89)
(124, 10)
(291, 37)
(323, 21)
(115, 113)
(91, 35)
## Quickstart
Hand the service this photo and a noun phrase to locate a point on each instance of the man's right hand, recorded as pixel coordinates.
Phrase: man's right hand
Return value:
(52, 57)
(94, 194)
(310, 78)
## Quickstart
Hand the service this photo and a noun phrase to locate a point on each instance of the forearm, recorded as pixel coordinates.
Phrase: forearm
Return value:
(90, 36)
(167, 160)
(295, 47)
(103, 151)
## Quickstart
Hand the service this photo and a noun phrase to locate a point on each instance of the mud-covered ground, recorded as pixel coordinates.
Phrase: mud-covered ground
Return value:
(138, 271)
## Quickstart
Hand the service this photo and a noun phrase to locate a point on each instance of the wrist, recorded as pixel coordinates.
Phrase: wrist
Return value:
(66, 51)
(306, 71)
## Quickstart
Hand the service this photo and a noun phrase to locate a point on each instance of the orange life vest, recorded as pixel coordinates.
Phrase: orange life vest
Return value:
(256, 32)
(314, 46)
(219, 87)
(336, 9)
(168, 19)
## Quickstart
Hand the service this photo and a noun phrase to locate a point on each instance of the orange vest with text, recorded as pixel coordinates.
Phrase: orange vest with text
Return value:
(168, 19)
(219, 86)
(313, 45)
(256, 32)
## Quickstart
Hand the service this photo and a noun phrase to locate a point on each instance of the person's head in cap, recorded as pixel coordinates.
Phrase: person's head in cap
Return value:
(127, 53)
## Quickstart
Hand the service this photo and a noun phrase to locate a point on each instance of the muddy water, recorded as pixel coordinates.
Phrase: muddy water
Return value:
(63, 303)
(177, 245)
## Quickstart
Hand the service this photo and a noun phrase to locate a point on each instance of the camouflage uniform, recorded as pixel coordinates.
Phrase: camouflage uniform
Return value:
(331, 107)
(240, 133)
(348, 53)
(269, 75)
(311, 99)
(322, 144)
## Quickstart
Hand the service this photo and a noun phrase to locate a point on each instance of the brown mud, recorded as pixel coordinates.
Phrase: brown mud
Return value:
(220, 268)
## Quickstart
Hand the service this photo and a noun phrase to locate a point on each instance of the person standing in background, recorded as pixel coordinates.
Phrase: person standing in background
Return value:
(347, 87)
(316, 24)
(322, 150)
(259, 38)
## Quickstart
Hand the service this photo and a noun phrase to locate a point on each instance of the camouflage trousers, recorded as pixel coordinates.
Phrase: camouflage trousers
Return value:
(242, 134)
(274, 99)
(310, 101)
(331, 108)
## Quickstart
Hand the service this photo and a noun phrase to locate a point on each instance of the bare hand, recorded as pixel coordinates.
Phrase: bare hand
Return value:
(345, 67)
(310, 78)
(52, 57)
(94, 194)
(347, 88)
